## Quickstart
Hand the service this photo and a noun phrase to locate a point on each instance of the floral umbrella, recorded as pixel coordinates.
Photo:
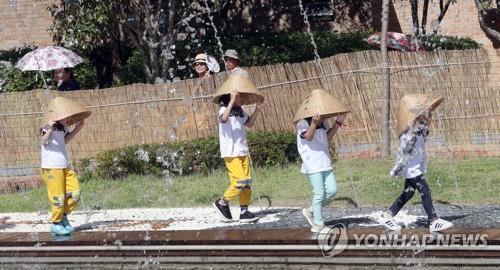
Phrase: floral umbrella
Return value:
(48, 58)
(396, 41)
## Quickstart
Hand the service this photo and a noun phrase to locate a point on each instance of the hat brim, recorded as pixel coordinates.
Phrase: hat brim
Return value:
(319, 101)
(199, 61)
(409, 115)
(232, 57)
(250, 98)
(240, 84)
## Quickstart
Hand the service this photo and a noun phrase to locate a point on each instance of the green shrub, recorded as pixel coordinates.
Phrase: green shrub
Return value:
(432, 42)
(200, 155)
(273, 148)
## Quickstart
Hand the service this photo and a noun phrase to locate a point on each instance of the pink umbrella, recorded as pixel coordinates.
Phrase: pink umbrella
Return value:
(48, 58)
(396, 41)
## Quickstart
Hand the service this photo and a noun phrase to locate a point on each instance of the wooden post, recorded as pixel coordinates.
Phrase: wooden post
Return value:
(386, 85)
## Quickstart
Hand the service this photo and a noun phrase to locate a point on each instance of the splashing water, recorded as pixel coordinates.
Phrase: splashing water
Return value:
(142, 155)
(317, 58)
(216, 31)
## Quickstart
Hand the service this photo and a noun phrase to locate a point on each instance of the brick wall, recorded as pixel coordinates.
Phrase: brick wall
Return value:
(460, 20)
(24, 21)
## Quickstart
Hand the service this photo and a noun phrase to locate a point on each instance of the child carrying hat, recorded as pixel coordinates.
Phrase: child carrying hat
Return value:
(411, 162)
(233, 120)
(62, 185)
(313, 136)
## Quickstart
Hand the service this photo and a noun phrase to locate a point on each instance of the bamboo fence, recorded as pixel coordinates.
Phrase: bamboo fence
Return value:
(467, 123)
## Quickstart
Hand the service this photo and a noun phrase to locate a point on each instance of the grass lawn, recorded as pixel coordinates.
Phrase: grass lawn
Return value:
(365, 181)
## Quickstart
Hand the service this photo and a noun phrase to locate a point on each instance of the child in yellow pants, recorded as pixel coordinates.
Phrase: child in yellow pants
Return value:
(238, 169)
(234, 149)
(63, 188)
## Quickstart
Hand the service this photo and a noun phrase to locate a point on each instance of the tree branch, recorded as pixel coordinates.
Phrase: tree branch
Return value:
(414, 16)
(425, 10)
(481, 12)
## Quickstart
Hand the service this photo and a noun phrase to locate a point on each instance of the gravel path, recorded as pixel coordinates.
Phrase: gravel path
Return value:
(412, 216)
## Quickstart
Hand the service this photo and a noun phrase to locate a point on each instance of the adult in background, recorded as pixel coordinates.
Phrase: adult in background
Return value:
(232, 61)
(205, 65)
(65, 80)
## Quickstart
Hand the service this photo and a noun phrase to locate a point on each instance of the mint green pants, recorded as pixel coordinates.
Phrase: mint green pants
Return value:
(324, 188)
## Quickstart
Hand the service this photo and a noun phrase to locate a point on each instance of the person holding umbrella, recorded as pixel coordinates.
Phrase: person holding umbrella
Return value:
(65, 80)
(52, 58)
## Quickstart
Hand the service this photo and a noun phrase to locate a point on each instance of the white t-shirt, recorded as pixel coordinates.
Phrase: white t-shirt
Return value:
(54, 153)
(315, 154)
(416, 164)
(232, 135)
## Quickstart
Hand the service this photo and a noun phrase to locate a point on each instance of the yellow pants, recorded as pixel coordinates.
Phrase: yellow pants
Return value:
(63, 190)
(238, 169)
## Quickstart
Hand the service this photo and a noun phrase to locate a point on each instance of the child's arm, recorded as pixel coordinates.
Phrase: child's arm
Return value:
(338, 123)
(46, 133)
(406, 145)
(75, 131)
(251, 121)
(309, 134)
(223, 118)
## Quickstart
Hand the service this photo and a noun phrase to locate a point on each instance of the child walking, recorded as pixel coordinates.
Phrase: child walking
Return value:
(313, 136)
(62, 184)
(411, 162)
(233, 120)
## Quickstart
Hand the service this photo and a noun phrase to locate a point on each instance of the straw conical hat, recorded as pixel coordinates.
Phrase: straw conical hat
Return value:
(413, 105)
(319, 101)
(240, 84)
(63, 108)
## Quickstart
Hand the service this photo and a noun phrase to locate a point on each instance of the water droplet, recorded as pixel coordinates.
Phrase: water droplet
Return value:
(181, 36)
(13, 4)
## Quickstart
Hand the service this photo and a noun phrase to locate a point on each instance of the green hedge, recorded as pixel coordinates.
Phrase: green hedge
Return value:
(256, 49)
(197, 156)
(432, 42)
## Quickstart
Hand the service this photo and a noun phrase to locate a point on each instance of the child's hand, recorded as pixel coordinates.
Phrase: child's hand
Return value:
(80, 124)
(259, 105)
(52, 123)
(341, 118)
(316, 119)
(234, 94)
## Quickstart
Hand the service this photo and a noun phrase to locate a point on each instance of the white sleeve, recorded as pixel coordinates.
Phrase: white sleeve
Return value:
(302, 126)
(222, 110)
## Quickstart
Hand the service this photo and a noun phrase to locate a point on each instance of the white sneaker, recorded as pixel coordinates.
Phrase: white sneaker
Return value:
(321, 229)
(308, 215)
(388, 222)
(439, 225)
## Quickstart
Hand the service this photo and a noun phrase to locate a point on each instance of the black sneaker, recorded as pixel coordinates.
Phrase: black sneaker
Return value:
(248, 216)
(223, 211)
